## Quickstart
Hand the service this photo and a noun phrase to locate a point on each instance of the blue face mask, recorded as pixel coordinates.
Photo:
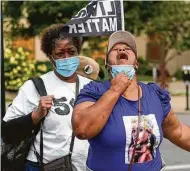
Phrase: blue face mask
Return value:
(128, 70)
(67, 66)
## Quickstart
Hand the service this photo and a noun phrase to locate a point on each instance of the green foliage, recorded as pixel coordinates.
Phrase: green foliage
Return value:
(145, 78)
(103, 73)
(100, 61)
(144, 67)
(39, 14)
(178, 74)
(42, 67)
(18, 68)
(172, 24)
(169, 20)
(138, 13)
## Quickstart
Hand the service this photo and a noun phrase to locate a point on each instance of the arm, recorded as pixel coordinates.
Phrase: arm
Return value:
(176, 132)
(14, 130)
(17, 128)
(44, 106)
(89, 118)
(19, 120)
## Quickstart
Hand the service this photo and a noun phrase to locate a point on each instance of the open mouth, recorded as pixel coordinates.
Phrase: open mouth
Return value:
(122, 55)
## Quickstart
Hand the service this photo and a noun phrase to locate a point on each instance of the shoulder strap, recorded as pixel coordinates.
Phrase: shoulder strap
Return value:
(40, 87)
(73, 135)
(138, 128)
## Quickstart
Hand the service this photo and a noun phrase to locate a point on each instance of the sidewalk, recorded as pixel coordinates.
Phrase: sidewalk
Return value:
(178, 104)
(178, 98)
(177, 88)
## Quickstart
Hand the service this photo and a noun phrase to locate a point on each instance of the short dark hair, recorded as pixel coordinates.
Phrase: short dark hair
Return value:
(51, 34)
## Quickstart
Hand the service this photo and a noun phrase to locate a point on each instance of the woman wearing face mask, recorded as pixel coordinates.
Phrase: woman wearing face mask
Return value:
(113, 114)
(29, 108)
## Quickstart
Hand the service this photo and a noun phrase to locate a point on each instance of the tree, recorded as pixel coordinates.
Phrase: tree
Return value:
(170, 21)
(18, 68)
(38, 14)
(173, 27)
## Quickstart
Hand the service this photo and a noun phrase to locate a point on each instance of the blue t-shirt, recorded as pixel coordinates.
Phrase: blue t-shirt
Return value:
(111, 149)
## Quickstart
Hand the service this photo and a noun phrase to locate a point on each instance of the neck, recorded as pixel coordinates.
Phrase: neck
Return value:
(71, 79)
(131, 92)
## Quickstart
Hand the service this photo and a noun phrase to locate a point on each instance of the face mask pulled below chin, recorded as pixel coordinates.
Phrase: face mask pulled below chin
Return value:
(128, 70)
(67, 66)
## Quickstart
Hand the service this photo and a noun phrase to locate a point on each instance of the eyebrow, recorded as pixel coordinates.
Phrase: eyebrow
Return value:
(127, 47)
(66, 48)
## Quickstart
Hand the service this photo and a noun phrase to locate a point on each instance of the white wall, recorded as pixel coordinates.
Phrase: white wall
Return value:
(178, 61)
(141, 45)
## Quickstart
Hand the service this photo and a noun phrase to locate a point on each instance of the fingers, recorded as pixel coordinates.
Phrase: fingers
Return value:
(44, 106)
(46, 102)
(47, 98)
(122, 75)
(123, 78)
(120, 83)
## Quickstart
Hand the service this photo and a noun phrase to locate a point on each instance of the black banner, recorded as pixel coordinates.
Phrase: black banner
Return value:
(101, 17)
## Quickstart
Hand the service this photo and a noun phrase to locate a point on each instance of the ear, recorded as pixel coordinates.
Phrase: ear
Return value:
(51, 60)
(136, 65)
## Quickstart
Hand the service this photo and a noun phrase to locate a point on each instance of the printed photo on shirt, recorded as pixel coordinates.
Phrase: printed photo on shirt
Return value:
(148, 141)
